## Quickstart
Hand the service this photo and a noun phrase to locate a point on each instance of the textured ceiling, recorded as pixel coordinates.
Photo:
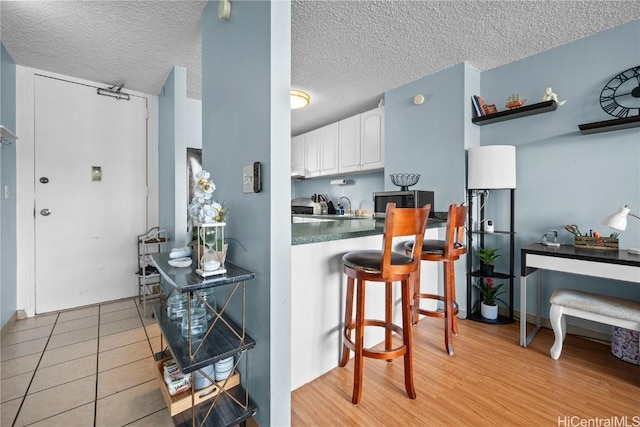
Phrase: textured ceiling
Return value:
(344, 53)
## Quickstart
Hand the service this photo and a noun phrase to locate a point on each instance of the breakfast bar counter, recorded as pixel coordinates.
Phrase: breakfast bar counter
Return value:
(318, 287)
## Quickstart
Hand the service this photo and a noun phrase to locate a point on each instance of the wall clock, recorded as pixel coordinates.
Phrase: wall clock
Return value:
(620, 97)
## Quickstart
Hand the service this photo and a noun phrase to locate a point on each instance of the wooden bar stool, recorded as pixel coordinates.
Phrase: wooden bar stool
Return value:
(446, 251)
(383, 266)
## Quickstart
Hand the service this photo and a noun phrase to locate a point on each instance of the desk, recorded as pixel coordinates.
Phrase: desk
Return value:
(617, 265)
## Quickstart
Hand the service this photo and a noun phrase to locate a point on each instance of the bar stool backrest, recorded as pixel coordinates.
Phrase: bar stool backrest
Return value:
(454, 239)
(402, 222)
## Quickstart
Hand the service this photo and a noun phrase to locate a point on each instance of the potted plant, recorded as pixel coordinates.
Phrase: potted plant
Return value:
(489, 292)
(487, 257)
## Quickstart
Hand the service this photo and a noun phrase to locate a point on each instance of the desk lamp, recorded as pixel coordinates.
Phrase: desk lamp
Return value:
(618, 221)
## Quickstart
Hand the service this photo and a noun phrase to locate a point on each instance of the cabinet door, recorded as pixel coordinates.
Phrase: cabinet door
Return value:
(313, 140)
(329, 150)
(372, 139)
(349, 144)
(297, 154)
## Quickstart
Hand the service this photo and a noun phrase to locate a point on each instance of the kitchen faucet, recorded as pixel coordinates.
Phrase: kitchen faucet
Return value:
(344, 197)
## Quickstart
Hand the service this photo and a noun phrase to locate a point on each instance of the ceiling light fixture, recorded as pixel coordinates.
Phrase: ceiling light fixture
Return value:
(299, 99)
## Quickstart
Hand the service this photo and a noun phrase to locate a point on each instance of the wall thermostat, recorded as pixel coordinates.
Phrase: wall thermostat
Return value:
(252, 178)
(488, 226)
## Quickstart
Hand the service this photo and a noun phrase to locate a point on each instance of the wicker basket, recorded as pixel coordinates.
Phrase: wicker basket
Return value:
(602, 243)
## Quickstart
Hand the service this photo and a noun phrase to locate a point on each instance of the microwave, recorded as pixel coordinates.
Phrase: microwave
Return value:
(402, 199)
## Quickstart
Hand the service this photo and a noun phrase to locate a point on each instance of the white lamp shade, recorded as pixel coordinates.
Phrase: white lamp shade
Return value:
(617, 220)
(491, 167)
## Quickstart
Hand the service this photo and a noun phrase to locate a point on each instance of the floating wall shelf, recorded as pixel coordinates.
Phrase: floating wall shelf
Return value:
(609, 125)
(528, 110)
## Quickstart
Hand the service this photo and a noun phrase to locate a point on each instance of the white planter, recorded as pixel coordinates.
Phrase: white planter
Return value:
(489, 311)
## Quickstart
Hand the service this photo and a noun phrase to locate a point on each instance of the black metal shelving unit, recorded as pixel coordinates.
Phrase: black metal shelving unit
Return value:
(473, 269)
(231, 404)
(153, 241)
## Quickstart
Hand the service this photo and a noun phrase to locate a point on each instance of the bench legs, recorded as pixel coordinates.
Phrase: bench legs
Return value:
(559, 325)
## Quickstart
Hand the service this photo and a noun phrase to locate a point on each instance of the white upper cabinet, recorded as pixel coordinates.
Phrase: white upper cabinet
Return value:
(313, 140)
(329, 149)
(351, 145)
(297, 156)
(372, 139)
(349, 141)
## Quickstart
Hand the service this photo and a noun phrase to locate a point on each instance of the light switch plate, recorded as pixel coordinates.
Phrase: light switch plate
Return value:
(247, 179)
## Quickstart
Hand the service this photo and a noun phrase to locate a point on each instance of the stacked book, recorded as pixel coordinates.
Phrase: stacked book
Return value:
(478, 105)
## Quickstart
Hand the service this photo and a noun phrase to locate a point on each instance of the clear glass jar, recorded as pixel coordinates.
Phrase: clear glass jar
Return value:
(198, 323)
(176, 306)
(209, 296)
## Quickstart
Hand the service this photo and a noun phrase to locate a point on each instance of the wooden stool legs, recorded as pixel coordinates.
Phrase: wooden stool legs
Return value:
(359, 324)
(348, 324)
(450, 319)
(407, 340)
(448, 298)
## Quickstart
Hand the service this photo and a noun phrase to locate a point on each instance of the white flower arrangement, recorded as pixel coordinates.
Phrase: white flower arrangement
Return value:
(203, 209)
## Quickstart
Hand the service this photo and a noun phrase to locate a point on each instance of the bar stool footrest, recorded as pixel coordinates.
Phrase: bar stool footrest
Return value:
(440, 312)
(369, 352)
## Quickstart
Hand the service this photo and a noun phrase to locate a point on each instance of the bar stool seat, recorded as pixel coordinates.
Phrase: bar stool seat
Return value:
(369, 260)
(382, 266)
(446, 251)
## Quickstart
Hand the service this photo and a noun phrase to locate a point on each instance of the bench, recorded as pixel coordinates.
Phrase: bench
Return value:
(599, 308)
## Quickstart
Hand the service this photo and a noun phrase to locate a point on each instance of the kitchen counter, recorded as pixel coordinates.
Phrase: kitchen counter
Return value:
(323, 228)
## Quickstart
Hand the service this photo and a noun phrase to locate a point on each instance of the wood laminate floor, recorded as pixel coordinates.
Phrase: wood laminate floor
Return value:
(490, 381)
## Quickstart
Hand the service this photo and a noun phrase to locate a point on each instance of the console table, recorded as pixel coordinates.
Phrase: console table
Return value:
(617, 265)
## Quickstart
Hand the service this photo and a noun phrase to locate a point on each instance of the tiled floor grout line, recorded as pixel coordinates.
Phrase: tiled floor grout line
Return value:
(146, 334)
(26, 392)
(56, 323)
(95, 400)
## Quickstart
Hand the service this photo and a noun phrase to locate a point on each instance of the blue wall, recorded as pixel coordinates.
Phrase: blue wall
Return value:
(246, 118)
(429, 139)
(180, 125)
(166, 155)
(8, 248)
(358, 189)
(564, 177)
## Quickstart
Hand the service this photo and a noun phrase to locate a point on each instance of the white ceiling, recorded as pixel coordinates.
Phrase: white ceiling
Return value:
(344, 53)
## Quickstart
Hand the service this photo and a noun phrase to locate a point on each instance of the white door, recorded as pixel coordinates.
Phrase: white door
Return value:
(87, 219)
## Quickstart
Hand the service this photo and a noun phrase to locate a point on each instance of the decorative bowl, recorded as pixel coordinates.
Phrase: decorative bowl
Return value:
(404, 180)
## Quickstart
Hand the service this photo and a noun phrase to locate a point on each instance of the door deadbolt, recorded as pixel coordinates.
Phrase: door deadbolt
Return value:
(44, 180)
(45, 212)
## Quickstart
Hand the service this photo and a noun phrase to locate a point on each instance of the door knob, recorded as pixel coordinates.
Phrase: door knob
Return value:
(45, 212)
(44, 180)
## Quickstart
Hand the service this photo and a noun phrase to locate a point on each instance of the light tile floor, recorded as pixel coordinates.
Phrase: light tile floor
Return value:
(91, 366)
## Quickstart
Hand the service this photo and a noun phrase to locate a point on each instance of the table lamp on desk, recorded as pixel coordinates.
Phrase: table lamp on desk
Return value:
(618, 220)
